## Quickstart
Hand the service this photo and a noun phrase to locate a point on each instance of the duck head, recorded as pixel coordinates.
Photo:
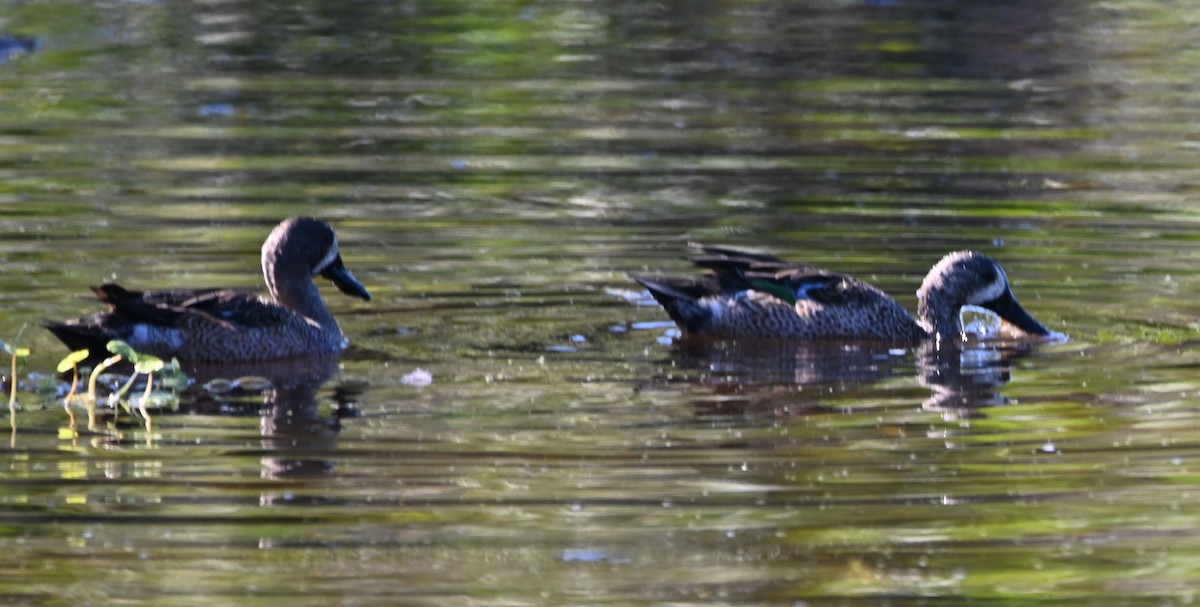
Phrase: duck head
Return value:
(300, 249)
(970, 278)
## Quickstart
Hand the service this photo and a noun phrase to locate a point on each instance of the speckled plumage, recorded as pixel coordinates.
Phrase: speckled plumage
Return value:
(224, 325)
(755, 295)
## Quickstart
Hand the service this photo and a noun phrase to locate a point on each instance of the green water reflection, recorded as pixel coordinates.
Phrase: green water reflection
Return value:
(495, 172)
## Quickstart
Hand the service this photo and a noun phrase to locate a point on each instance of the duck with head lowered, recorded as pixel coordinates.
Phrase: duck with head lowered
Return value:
(762, 296)
(227, 325)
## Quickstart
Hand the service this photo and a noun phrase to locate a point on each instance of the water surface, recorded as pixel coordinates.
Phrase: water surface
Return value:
(496, 172)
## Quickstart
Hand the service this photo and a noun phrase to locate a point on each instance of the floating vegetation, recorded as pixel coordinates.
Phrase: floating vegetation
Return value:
(243, 385)
(154, 394)
(249, 383)
(71, 361)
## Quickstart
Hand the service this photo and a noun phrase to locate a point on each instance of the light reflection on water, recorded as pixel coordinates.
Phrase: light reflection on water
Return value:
(495, 173)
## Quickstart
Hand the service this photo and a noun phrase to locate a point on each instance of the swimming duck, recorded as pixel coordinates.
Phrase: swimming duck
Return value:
(755, 295)
(226, 325)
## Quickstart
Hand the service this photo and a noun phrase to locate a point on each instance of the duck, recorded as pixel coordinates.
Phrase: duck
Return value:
(754, 295)
(220, 325)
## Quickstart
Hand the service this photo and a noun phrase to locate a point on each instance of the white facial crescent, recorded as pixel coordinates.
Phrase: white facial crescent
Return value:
(993, 290)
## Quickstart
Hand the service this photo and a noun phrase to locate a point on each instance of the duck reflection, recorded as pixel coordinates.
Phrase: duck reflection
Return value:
(296, 437)
(966, 377)
(961, 377)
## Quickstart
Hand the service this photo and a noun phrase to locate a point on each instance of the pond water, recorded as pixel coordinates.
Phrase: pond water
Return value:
(496, 172)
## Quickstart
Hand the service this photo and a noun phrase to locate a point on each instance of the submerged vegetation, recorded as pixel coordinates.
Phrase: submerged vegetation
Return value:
(171, 380)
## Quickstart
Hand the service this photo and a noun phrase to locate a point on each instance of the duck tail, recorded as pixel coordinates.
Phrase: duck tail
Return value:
(678, 298)
(80, 336)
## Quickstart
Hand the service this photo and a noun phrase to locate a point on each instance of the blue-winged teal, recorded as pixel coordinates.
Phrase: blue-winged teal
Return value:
(754, 295)
(223, 325)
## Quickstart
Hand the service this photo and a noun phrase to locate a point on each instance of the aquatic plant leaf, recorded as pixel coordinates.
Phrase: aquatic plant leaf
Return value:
(148, 364)
(252, 383)
(69, 361)
(117, 346)
(219, 385)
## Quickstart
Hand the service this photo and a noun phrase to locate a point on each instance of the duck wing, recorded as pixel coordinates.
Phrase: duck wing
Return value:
(737, 271)
(816, 285)
(226, 307)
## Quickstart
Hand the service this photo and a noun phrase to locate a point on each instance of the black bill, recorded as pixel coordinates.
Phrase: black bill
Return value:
(345, 281)
(1007, 307)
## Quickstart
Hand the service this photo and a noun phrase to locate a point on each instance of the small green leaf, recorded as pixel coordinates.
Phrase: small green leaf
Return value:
(21, 352)
(148, 364)
(126, 351)
(72, 359)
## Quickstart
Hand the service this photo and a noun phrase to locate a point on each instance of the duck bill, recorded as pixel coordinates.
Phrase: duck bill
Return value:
(345, 281)
(1007, 307)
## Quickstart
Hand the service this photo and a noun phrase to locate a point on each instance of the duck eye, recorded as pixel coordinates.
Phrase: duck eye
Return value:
(998, 274)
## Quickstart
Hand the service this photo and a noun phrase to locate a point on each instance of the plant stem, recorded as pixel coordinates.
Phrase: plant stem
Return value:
(146, 395)
(71, 395)
(12, 396)
(106, 363)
